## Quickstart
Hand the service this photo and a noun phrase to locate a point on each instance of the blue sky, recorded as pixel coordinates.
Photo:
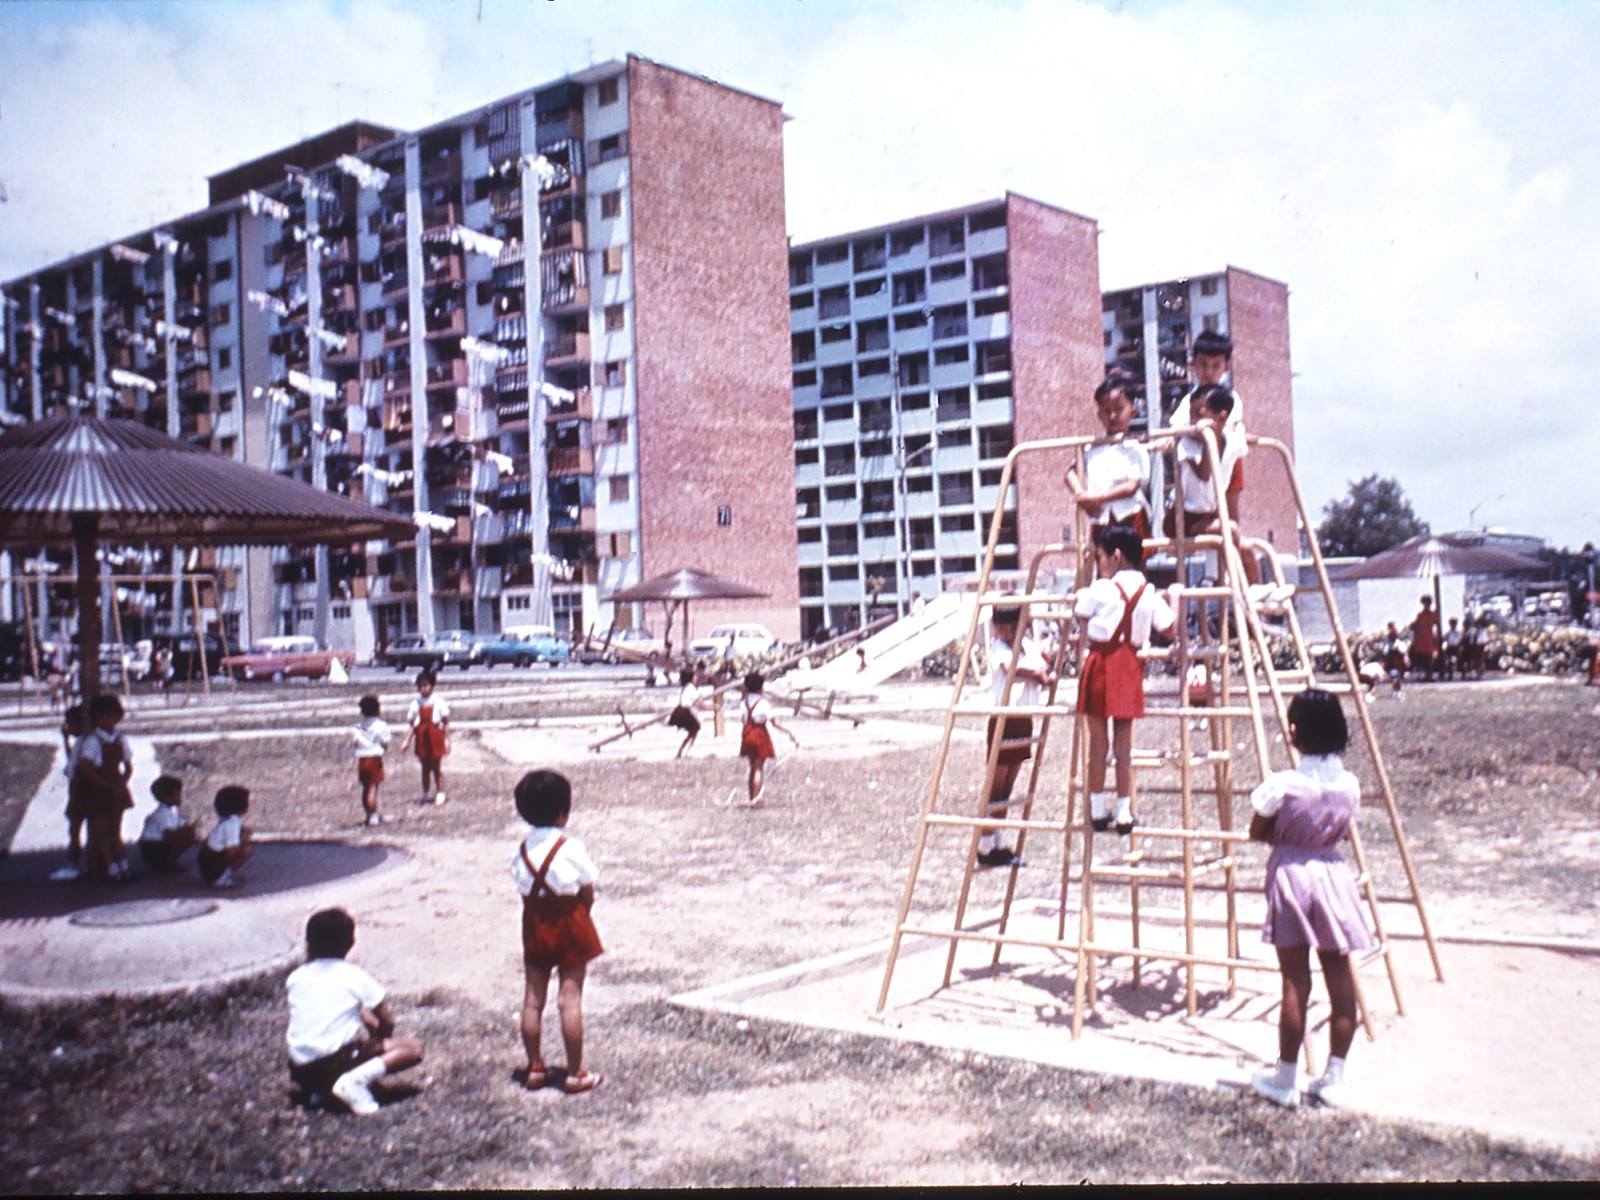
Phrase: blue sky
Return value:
(1422, 175)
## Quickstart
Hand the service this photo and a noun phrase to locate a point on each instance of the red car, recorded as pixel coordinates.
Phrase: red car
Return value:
(280, 658)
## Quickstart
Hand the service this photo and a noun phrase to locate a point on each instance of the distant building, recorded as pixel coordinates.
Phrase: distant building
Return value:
(598, 396)
(1148, 332)
(923, 351)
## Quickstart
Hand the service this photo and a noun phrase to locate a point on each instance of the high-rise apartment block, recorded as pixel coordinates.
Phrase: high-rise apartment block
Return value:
(923, 351)
(551, 329)
(1148, 333)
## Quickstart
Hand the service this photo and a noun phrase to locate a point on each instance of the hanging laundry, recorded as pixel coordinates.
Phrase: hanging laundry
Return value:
(428, 520)
(259, 204)
(330, 339)
(477, 243)
(165, 241)
(128, 254)
(174, 333)
(487, 351)
(267, 302)
(364, 173)
(502, 462)
(128, 379)
(325, 388)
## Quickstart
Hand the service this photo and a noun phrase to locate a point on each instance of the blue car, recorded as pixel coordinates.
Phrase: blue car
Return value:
(523, 649)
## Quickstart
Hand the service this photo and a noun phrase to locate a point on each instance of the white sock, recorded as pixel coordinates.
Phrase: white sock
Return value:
(1124, 810)
(364, 1073)
(1284, 1075)
(1334, 1072)
(987, 842)
(1097, 806)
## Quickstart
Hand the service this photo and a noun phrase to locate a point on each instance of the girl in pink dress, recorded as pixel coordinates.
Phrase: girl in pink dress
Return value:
(1312, 899)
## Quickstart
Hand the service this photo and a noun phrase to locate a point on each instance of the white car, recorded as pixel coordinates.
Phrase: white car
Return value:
(734, 641)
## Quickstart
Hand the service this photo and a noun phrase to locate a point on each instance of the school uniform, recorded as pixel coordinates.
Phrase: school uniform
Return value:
(372, 739)
(426, 719)
(754, 739)
(1015, 732)
(683, 714)
(101, 807)
(326, 1034)
(551, 868)
(1111, 464)
(1232, 428)
(160, 852)
(1119, 614)
(212, 857)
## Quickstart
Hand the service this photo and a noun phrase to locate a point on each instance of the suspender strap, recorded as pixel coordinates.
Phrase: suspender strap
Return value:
(539, 887)
(1124, 631)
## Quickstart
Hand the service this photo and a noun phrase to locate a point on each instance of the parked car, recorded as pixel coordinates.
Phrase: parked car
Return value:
(625, 645)
(280, 658)
(181, 652)
(433, 651)
(733, 641)
(522, 649)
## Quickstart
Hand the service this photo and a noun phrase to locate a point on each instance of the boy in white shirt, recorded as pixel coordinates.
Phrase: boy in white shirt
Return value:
(372, 739)
(166, 836)
(1031, 673)
(341, 1033)
(1115, 482)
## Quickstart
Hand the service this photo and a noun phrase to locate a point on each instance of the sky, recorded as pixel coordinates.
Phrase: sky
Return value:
(1422, 175)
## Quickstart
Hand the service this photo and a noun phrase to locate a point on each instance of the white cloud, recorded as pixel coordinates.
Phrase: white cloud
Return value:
(1418, 174)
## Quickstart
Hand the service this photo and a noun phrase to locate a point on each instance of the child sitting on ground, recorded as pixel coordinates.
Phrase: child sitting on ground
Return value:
(227, 847)
(1116, 615)
(100, 778)
(556, 877)
(1312, 900)
(167, 836)
(372, 739)
(341, 1034)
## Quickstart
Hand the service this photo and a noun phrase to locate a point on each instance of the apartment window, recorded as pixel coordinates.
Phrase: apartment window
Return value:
(828, 255)
(915, 319)
(801, 301)
(724, 515)
(945, 272)
(615, 318)
(1211, 323)
(838, 460)
(616, 373)
(988, 273)
(612, 260)
(950, 322)
(620, 545)
(842, 540)
(913, 370)
(223, 270)
(994, 357)
(803, 346)
(799, 270)
(1208, 287)
(910, 287)
(805, 425)
(617, 431)
(955, 488)
(226, 399)
(839, 331)
(954, 405)
(869, 367)
(872, 335)
(610, 205)
(876, 286)
(869, 254)
(839, 412)
(995, 441)
(610, 148)
(807, 378)
(608, 92)
(809, 536)
(224, 358)
(993, 219)
(807, 503)
(518, 603)
(947, 237)
(904, 241)
(834, 302)
(841, 493)
(992, 306)
(618, 486)
(837, 381)
(221, 314)
(944, 356)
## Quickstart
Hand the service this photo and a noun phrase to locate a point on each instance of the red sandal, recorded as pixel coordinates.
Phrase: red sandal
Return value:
(536, 1077)
(583, 1081)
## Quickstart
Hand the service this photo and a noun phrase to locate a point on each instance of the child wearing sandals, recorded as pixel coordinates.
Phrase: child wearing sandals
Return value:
(341, 1033)
(1312, 899)
(1117, 614)
(556, 877)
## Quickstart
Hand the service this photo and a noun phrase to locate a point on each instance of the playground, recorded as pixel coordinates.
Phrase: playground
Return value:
(733, 1013)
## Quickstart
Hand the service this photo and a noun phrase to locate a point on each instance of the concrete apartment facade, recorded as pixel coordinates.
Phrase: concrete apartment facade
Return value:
(923, 351)
(566, 405)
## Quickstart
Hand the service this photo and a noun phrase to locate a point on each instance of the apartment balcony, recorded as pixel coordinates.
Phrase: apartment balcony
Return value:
(338, 298)
(572, 460)
(581, 406)
(511, 411)
(517, 575)
(444, 169)
(568, 235)
(451, 373)
(443, 266)
(195, 382)
(351, 445)
(563, 280)
(454, 582)
(441, 426)
(572, 518)
(392, 230)
(567, 349)
(506, 202)
(397, 333)
(397, 415)
(350, 350)
(395, 284)
(338, 250)
(192, 425)
(452, 324)
(439, 216)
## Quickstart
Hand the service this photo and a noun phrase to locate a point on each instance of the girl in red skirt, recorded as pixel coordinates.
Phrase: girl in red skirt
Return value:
(429, 721)
(556, 877)
(1116, 614)
(755, 743)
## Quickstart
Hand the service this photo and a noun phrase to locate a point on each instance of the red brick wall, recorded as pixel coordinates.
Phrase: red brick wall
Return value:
(711, 335)
(1056, 355)
(1258, 322)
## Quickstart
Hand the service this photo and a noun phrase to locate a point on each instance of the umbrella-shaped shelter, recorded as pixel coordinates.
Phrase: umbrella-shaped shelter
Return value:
(1431, 555)
(677, 588)
(83, 481)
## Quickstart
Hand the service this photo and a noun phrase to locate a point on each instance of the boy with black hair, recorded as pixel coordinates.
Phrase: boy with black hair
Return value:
(100, 779)
(372, 739)
(556, 877)
(341, 1033)
(166, 837)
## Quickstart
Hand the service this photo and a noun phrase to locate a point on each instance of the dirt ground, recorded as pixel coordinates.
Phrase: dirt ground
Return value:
(1498, 784)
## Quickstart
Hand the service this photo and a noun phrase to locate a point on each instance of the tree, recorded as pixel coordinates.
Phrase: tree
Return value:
(1374, 516)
